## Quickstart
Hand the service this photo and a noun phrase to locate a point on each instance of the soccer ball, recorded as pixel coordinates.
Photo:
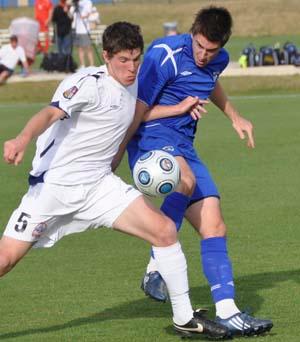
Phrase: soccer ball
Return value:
(156, 173)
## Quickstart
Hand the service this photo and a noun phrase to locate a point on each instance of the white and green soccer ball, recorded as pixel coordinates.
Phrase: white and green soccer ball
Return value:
(156, 173)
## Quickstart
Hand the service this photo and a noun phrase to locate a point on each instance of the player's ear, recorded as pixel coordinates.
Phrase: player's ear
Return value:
(105, 56)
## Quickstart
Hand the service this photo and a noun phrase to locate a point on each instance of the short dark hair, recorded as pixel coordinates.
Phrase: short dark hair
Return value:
(122, 36)
(214, 23)
(13, 38)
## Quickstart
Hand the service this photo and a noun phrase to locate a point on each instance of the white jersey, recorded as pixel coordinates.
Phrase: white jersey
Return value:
(10, 56)
(79, 148)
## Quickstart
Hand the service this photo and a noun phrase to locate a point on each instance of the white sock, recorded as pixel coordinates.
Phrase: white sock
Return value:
(226, 308)
(171, 264)
(151, 267)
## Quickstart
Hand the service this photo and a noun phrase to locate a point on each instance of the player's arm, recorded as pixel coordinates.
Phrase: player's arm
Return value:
(14, 149)
(191, 104)
(241, 125)
(140, 111)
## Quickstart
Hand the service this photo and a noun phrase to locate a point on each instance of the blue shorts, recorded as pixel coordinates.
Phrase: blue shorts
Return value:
(158, 137)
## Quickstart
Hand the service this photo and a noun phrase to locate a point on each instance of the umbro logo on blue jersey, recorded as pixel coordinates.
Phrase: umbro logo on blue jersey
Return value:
(186, 73)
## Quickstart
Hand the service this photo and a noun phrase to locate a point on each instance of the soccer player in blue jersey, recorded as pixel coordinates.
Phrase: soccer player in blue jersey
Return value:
(178, 76)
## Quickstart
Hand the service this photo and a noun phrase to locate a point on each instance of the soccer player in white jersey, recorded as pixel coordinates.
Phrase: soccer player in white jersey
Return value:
(72, 187)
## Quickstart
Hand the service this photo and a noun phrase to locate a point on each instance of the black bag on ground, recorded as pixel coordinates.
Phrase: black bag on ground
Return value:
(268, 56)
(251, 54)
(58, 62)
(290, 52)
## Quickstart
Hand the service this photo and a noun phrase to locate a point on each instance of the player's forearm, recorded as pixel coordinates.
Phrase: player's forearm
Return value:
(160, 111)
(220, 99)
(39, 123)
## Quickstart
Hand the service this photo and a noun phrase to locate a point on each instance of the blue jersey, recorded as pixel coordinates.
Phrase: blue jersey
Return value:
(169, 74)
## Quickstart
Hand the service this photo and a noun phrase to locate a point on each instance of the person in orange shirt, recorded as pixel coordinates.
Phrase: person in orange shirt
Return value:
(43, 13)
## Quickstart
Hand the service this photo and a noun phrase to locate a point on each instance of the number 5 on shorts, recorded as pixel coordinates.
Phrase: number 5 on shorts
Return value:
(22, 222)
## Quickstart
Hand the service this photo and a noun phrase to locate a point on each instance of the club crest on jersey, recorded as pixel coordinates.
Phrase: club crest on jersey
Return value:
(68, 94)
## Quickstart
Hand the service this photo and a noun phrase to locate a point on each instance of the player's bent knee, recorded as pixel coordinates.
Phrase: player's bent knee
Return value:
(216, 230)
(167, 235)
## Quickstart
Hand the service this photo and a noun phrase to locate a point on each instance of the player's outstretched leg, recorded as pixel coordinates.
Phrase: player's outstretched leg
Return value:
(172, 267)
(218, 271)
(242, 324)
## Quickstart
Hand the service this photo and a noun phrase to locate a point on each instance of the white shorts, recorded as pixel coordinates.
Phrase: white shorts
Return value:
(48, 212)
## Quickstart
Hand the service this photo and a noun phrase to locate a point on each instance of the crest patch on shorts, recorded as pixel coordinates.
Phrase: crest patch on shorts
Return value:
(39, 229)
(68, 94)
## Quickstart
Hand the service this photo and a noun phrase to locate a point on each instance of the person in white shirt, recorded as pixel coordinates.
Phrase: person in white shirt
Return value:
(81, 12)
(94, 18)
(10, 55)
(72, 186)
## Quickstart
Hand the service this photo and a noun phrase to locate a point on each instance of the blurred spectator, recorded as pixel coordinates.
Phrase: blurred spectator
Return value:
(62, 25)
(170, 28)
(43, 14)
(10, 55)
(82, 40)
(27, 31)
(94, 18)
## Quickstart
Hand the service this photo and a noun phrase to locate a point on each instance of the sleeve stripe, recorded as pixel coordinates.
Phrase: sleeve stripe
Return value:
(56, 105)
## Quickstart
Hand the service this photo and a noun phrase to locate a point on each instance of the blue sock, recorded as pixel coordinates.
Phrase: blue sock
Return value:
(174, 206)
(217, 268)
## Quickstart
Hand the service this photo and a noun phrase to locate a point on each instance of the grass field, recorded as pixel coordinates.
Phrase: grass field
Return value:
(86, 288)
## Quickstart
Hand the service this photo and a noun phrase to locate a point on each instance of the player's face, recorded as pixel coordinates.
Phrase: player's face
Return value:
(123, 66)
(204, 50)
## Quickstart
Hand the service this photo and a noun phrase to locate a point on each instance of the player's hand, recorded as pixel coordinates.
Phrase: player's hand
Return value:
(13, 151)
(194, 106)
(198, 109)
(244, 128)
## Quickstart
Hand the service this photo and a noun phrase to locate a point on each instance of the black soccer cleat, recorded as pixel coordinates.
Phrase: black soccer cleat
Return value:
(155, 287)
(201, 325)
(242, 324)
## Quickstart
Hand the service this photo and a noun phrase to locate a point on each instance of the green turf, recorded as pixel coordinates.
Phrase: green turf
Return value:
(87, 287)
